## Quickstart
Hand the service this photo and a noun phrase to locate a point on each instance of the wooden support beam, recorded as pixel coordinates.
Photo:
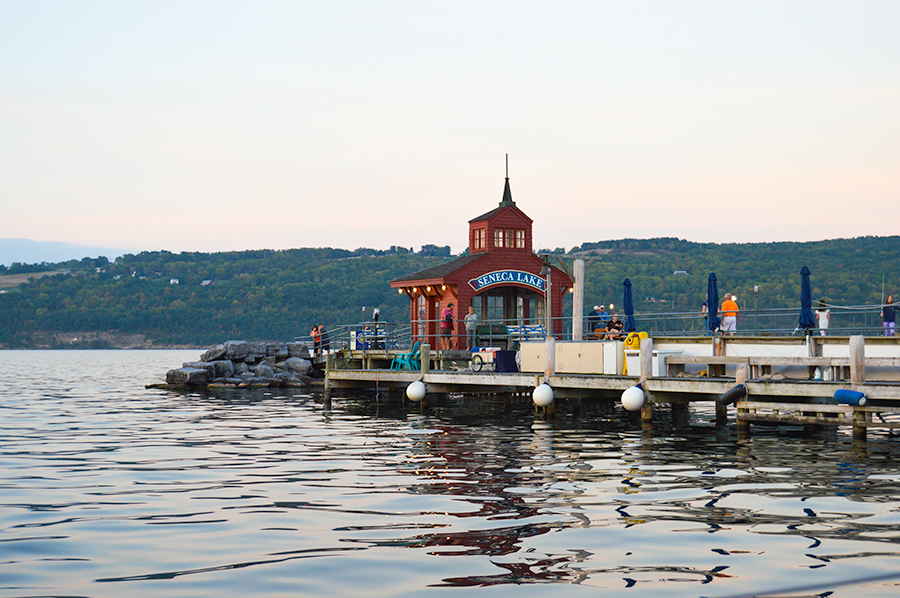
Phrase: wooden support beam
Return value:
(578, 301)
(549, 357)
(425, 356)
(857, 361)
(646, 372)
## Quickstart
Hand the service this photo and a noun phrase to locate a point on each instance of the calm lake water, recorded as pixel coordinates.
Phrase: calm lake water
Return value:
(110, 489)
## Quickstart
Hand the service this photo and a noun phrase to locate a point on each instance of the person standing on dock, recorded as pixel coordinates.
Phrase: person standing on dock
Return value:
(446, 326)
(729, 314)
(823, 314)
(593, 320)
(887, 316)
(471, 325)
(324, 343)
(317, 340)
(704, 313)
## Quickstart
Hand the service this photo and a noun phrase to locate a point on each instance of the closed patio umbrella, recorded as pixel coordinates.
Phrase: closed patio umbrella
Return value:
(807, 319)
(629, 308)
(712, 302)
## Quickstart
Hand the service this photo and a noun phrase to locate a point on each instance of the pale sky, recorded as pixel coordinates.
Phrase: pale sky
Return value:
(215, 126)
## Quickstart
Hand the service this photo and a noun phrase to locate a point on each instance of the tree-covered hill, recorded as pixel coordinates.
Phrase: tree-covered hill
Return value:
(252, 295)
(844, 271)
(276, 295)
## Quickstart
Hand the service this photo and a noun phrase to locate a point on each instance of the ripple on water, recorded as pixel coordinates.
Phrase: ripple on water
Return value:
(112, 489)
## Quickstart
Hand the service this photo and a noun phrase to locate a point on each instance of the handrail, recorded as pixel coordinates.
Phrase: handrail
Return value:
(771, 322)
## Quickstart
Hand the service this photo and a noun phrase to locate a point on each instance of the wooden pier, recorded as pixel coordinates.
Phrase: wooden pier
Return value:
(691, 370)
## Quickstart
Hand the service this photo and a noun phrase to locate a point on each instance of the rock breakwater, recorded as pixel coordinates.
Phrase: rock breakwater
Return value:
(242, 364)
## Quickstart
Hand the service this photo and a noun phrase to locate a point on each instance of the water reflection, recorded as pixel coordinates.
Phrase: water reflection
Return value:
(107, 485)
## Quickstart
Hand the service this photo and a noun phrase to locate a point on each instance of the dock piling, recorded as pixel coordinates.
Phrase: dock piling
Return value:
(549, 357)
(578, 301)
(426, 358)
(857, 380)
(646, 372)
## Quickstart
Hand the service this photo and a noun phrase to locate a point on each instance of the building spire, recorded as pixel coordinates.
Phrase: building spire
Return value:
(507, 194)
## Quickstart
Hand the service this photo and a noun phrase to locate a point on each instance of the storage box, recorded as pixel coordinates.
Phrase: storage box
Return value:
(578, 357)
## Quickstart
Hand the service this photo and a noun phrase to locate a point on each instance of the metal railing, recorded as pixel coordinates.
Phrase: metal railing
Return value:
(365, 336)
(777, 322)
(843, 321)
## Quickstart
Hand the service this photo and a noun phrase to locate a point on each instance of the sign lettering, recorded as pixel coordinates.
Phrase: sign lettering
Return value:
(507, 276)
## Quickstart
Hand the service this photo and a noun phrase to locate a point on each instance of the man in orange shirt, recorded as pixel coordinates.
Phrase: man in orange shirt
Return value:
(729, 314)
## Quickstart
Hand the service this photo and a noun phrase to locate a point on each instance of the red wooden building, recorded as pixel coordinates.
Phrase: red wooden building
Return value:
(500, 277)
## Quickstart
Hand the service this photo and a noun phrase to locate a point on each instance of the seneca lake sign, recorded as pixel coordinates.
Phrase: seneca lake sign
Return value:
(507, 276)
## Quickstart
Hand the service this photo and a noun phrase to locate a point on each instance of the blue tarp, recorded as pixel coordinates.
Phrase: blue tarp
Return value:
(712, 303)
(807, 319)
(629, 308)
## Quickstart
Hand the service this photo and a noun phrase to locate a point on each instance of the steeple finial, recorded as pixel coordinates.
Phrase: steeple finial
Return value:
(507, 194)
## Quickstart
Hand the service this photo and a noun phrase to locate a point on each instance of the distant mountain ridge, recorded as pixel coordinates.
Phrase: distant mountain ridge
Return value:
(26, 251)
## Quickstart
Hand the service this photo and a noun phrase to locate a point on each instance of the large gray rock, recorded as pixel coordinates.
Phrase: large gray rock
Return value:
(209, 367)
(217, 352)
(236, 350)
(273, 349)
(300, 382)
(190, 376)
(264, 371)
(296, 365)
(256, 353)
(241, 368)
(298, 350)
(286, 377)
(224, 368)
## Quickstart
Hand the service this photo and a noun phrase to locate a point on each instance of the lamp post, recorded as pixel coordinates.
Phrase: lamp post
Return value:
(756, 309)
(549, 340)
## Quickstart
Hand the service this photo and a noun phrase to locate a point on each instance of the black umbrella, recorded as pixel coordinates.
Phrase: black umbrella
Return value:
(629, 308)
(807, 320)
(712, 302)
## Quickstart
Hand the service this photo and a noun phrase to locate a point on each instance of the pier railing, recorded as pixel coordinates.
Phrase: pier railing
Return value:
(844, 321)
(364, 336)
(774, 322)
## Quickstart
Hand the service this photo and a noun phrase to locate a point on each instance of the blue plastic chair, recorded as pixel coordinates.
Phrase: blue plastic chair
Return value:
(408, 361)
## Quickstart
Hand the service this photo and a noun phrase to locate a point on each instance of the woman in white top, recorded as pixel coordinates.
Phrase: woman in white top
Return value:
(824, 316)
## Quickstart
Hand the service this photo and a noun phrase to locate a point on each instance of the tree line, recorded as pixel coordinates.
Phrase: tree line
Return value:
(281, 294)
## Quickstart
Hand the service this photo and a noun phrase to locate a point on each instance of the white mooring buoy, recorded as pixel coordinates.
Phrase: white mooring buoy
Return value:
(415, 392)
(633, 398)
(542, 395)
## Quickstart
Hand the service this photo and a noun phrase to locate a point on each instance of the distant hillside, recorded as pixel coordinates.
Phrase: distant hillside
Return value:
(844, 271)
(276, 295)
(26, 251)
(203, 298)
